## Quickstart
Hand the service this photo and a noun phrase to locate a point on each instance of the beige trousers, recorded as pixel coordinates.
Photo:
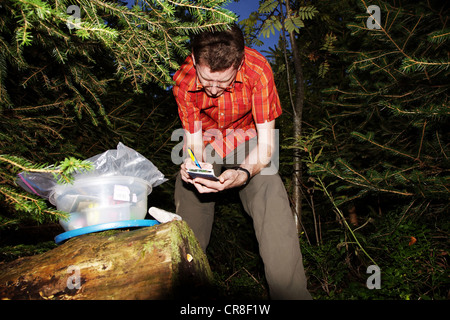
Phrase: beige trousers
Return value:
(265, 199)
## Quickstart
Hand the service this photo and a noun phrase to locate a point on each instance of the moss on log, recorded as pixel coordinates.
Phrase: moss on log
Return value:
(160, 262)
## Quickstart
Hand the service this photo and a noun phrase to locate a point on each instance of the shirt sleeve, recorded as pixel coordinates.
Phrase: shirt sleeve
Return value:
(266, 104)
(188, 112)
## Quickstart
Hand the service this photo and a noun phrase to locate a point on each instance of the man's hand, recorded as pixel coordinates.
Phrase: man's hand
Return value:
(230, 178)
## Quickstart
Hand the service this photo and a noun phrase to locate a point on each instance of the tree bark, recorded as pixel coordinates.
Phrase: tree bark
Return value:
(160, 262)
(298, 115)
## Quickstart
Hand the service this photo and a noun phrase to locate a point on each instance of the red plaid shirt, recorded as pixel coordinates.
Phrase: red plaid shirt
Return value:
(228, 120)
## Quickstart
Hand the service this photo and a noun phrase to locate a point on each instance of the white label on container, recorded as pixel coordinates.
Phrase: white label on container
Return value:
(121, 193)
(134, 198)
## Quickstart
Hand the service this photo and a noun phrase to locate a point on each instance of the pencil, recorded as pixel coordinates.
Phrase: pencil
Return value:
(191, 154)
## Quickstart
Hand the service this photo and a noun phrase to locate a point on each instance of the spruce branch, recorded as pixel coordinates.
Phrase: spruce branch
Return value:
(70, 74)
(37, 207)
(324, 188)
(411, 64)
(439, 36)
(63, 171)
(307, 143)
(422, 64)
(369, 139)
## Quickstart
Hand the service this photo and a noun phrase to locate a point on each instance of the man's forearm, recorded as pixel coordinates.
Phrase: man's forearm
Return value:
(261, 155)
(258, 159)
(195, 142)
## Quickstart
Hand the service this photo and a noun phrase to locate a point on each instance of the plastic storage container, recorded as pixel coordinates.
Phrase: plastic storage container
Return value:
(98, 200)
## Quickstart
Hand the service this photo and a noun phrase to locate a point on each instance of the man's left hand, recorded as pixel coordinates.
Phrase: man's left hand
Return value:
(230, 178)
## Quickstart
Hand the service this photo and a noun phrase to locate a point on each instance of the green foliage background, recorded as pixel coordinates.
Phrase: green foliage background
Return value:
(375, 129)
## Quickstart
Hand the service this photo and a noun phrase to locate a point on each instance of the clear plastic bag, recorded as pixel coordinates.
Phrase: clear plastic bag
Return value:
(122, 161)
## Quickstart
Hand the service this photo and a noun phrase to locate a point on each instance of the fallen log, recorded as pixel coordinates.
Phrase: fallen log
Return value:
(160, 262)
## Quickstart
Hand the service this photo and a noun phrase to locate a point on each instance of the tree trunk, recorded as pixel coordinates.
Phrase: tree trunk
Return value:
(298, 114)
(160, 262)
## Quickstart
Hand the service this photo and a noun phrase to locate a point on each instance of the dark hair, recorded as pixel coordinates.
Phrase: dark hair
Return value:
(219, 50)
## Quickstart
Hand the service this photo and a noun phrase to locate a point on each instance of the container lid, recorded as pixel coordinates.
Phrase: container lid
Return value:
(104, 226)
(91, 181)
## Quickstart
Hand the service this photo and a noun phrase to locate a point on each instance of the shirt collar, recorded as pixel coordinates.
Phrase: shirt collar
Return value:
(240, 74)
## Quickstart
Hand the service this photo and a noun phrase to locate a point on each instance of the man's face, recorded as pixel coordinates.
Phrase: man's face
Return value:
(215, 83)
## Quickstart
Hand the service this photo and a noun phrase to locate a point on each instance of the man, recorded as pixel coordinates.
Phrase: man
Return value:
(228, 103)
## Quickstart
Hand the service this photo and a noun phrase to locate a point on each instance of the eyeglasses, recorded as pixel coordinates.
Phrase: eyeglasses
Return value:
(228, 88)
